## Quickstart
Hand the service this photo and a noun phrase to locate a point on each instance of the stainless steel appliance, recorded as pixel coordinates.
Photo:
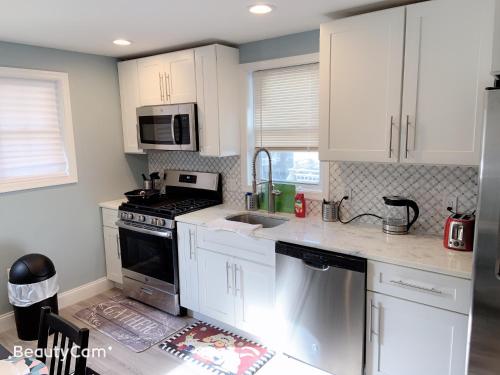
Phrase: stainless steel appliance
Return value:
(397, 215)
(320, 302)
(148, 240)
(484, 345)
(167, 127)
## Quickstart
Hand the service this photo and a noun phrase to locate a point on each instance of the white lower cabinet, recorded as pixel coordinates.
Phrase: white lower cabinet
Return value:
(216, 285)
(236, 290)
(112, 245)
(254, 291)
(409, 338)
(188, 266)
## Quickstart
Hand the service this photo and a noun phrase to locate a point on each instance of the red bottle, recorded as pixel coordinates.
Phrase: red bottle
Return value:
(300, 205)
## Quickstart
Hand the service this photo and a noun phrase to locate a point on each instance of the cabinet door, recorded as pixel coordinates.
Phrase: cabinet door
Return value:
(207, 100)
(188, 266)
(152, 80)
(361, 64)
(254, 292)
(447, 65)
(130, 100)
(113, 256)
(216, 283)
(413, 339)
(180, 77)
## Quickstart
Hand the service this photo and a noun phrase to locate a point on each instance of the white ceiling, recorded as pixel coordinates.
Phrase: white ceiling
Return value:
(154, 25)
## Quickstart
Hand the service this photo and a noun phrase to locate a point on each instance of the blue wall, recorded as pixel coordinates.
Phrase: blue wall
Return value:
(284, 46)
(64, 222)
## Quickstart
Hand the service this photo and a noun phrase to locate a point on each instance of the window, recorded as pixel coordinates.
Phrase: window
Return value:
(36, 131)
(286, 122)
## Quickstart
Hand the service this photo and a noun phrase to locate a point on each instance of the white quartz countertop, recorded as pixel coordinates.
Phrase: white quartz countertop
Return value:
(112, 205)
(424, 252)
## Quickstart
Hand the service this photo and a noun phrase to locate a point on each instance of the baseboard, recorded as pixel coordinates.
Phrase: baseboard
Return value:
(65, 299)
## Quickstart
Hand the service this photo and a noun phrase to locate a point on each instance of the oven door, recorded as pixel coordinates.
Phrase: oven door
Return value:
(167, 127)
(149, 256)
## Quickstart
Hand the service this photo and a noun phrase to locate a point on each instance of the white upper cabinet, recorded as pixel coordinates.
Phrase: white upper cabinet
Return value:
(446, 47)
(181, 81)
(447, 67)
(152, 80)
(217, 97)
(361, 65)
(129, 99)
(167, 79)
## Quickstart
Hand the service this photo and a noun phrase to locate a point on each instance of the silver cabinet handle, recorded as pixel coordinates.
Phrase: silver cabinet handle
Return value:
(118, 249)
(161, 87)
(167, 86)
(372, 331)
(414, 286)
(236, 288)
(191, 244)
(406, 135)
(390, 137)
(228, 286)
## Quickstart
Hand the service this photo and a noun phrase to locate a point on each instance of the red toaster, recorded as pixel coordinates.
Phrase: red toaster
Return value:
(459, 231)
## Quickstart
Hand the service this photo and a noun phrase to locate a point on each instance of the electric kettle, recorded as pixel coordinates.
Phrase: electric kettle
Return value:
(397, 215)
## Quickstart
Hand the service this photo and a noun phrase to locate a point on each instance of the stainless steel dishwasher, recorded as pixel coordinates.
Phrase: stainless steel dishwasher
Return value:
(320, 305)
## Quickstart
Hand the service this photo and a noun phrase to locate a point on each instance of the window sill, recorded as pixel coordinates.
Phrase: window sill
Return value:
(36, 183)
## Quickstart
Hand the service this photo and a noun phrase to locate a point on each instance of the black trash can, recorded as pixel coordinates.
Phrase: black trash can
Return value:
(32, 285)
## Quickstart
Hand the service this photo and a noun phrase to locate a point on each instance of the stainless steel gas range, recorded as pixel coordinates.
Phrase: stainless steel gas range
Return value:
(148, 239)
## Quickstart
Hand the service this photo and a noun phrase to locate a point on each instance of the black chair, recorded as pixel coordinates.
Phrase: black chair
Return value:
(66, 335)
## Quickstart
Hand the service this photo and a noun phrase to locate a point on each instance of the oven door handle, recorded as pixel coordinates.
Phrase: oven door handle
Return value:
(124, 225)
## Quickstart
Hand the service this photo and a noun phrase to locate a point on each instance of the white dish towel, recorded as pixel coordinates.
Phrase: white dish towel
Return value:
(243, 229)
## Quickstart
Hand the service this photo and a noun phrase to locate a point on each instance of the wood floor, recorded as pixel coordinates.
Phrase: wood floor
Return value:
(154, 361)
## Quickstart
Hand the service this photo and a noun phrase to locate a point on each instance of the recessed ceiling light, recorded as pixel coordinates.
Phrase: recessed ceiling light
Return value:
(260, 9)
(121, 42)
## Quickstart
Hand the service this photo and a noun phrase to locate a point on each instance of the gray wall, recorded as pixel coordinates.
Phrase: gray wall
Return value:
(63, 222)
(284, 46)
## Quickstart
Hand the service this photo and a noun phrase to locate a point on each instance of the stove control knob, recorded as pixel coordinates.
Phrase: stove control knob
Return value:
(154, 221)
(141, 218)
(130, 216)
(160, 222)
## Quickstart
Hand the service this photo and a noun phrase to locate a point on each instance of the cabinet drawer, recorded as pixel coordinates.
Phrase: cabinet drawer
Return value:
(233, 244)
(109, 217)
(446, 292)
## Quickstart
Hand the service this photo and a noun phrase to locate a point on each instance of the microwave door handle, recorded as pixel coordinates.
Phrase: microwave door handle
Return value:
(172, 128)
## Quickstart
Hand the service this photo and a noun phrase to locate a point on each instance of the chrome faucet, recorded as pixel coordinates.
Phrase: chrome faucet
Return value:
(272, 193)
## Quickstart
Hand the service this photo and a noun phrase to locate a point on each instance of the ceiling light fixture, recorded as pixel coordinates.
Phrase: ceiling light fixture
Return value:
(260, 9)
(121, 42)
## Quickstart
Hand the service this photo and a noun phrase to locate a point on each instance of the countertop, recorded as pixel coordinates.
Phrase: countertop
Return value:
(112, 205)
(424, 252)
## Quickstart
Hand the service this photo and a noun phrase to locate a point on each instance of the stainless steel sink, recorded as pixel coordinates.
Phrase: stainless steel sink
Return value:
(266, 221)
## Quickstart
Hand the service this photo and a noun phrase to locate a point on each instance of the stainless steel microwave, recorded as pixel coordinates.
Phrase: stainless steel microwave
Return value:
(167, 127)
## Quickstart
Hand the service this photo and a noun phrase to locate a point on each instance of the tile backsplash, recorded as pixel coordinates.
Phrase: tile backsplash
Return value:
(429, 186)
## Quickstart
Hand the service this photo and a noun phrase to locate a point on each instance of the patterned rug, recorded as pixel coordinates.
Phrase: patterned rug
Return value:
(221, 352)
(131, 323)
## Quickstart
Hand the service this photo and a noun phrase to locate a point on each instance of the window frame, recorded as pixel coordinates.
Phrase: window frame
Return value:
(64, 107)
(247, 121)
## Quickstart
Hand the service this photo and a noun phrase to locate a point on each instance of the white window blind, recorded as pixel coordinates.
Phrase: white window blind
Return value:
(37, 147)
(286, 107)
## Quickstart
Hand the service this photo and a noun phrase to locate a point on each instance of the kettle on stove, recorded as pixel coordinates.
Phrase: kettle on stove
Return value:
(397, 215)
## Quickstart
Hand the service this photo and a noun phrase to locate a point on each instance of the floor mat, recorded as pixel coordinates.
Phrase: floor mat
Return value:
(131, 323)
(219, 351)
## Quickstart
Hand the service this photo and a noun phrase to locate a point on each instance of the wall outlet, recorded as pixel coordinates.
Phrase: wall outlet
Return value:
(348, 192)
(451, 200)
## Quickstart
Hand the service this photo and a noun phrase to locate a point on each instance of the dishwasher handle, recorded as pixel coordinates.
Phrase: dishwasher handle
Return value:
(315, 266)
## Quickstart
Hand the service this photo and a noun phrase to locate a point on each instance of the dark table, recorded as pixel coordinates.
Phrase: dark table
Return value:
(4, 353)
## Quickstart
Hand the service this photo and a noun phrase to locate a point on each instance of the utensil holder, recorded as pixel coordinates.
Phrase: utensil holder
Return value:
(330, 211)
(252, 201)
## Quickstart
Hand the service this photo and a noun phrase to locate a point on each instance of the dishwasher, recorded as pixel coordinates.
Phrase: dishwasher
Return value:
(320, 306)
